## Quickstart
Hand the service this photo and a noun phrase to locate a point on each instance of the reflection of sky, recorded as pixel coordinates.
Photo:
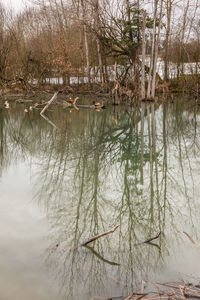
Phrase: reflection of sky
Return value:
(55, 183)
(23, 274)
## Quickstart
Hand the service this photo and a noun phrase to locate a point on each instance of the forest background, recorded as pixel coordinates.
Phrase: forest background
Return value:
(104, 43)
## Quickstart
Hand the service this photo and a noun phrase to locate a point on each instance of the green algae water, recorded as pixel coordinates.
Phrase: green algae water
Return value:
(77, 174)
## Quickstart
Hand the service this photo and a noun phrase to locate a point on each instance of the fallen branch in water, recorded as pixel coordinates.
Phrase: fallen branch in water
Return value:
(49, 103)
(169, 291)
(138, 296)
(99, 236)
(74, 103)
(149, 240)
(188, 290)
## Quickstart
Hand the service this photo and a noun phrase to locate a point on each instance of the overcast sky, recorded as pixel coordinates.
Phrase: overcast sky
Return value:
(17, 5)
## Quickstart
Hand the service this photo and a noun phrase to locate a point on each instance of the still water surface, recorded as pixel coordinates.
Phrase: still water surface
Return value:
(137, 167)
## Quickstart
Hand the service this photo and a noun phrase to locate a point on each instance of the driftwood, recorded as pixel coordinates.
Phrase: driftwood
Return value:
(99, 236)
(137, 295)
(181, 290)
(175, 291)
(49, 103)
(148, 240)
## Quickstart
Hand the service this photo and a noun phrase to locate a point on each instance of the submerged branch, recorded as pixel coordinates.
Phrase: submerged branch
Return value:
(99, 236)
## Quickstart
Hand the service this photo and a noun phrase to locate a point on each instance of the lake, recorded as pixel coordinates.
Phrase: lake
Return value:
(79, 174)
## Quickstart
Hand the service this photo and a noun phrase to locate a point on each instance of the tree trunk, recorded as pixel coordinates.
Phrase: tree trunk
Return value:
(183, 35)
(97, 22)
(156, 53)
(152, 50)
(87, 53)
(86, 43)
(81, 55)
(115, 91)
(143, 56)
(102, 77)
(166, 57)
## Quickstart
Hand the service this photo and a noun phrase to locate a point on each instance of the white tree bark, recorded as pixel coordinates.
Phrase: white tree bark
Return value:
(156, 52)
(152, 50)
(143, 55)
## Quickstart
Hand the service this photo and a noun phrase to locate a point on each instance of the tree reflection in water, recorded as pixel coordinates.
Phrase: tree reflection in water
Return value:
(137, 167)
